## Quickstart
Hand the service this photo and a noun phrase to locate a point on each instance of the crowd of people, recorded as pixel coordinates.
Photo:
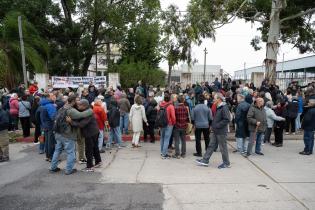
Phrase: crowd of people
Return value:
(84, 122)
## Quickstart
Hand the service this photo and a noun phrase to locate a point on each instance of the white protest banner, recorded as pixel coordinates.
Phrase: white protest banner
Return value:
(73, 82)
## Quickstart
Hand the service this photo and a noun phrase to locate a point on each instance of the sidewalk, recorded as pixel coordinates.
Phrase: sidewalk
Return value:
(282, 179)
(140, 179)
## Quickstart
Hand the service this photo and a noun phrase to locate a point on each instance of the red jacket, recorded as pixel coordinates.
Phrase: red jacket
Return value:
(14, 106)
(170, 110)
(33, 89)
(100, 116)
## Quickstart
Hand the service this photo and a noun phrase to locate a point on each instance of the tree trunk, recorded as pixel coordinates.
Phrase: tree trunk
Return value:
(273, 38)
(108, 55)
(86, 63)
(169, 74)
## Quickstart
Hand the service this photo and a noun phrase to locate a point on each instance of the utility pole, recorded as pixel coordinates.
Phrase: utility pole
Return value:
(22, 50)
(245, 75)
(204, 65)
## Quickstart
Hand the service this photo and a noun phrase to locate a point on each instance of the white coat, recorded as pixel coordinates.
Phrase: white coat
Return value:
(136, 117)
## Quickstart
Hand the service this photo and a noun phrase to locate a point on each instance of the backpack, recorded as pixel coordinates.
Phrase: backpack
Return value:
(114, 117)
(161, 117)
(61, 125)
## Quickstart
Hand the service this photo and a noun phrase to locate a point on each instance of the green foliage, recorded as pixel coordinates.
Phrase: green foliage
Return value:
(206, 15)
(131, 72)
(36, 49)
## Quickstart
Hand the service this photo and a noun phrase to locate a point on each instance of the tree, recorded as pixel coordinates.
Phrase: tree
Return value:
(36, 49)
(288, 21)
(131, 72)
(142, 41)
(178, 36)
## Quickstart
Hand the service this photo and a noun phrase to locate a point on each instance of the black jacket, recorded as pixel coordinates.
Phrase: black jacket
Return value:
(241, 120)
(151, 112)
(88, 126)
(292, 109)
(114, 117)
(309, 118)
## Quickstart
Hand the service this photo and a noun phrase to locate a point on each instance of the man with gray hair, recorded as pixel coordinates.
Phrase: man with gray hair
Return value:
(220, 124)
(257, 124)
(241, 133)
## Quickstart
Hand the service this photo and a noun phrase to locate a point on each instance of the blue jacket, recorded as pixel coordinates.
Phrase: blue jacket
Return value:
(47, 113)
(202, 116)
(309, 118)
(241, 120)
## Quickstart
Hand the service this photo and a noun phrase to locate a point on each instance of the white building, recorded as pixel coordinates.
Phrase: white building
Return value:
(195, 73)
(99, 68)
(301, 70)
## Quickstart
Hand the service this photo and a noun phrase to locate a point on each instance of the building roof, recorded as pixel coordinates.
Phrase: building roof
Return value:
(290, 65)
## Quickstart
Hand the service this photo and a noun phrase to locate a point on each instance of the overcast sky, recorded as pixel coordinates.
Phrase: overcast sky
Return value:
(232, 48)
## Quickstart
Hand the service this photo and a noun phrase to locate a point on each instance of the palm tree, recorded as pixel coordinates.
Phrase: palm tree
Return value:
(36, 50)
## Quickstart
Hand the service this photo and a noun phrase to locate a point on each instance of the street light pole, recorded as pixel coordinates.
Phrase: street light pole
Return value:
(245, 74)
(204, 66)
(22, 50)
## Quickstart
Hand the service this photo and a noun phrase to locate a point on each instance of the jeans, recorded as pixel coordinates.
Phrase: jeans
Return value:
(179, 136)
(49, 143)
(124, 121)
(91, 150)
(166, 134)
(69, 146)
(242, 144)
(298, 122)
(206, 133)
(101, 140)
(252, 137)
(214, 141)
(308, 141)
(114, 133)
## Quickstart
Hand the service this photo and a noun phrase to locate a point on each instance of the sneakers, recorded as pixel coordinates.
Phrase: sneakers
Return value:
(165, 156)
(223, 165)
(176, 156)
(82, 161)
(71, 172)
(305, 153)
(259, 153)
(202, 162)
(102, 151)
(54, 170)
(88, 170)
(4, 159)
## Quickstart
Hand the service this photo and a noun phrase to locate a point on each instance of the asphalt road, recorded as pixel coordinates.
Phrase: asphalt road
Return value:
(26, 183)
